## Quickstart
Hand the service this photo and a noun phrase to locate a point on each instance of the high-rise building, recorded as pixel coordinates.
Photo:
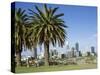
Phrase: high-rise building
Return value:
(67, 45)
(77, 47)
(80, 54)
(92, 49)
(73, 52)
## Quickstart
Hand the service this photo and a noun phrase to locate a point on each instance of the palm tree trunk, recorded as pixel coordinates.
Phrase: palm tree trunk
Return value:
(46, 53)
(18, 58)
(18, 54)
(27, 61)
(35, 52)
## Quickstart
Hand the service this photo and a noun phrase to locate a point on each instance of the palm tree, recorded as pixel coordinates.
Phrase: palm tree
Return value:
(20, 21)
(48, 28)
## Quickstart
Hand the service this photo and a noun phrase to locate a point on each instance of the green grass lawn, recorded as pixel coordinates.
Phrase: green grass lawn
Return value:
(55, 68)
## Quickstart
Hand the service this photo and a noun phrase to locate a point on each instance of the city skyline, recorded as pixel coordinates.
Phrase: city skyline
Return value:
(81, 22)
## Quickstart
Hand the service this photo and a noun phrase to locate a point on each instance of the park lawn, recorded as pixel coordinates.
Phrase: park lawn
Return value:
(55, 68)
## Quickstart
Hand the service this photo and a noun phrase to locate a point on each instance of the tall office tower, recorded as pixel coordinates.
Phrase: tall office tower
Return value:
(73, 52)
(92, 49)
(77, 47)
(80, 54)
(67, 45)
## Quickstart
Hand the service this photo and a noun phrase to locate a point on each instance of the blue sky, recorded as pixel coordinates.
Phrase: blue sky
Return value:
(81, 22)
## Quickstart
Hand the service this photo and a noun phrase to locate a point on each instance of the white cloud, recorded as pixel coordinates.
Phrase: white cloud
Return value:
(92, 37)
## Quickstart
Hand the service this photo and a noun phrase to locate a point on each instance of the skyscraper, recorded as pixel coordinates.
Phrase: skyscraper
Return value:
(92, 49)
(73, 52)
(77, 47)
(80, 54)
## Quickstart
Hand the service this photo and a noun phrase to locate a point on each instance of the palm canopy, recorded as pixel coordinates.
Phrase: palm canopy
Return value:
(47, 26)
(20, 16)
(23, 29)
(20, 21)
(28, 41)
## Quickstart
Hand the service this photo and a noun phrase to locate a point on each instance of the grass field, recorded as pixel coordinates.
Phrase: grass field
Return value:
(55, 68)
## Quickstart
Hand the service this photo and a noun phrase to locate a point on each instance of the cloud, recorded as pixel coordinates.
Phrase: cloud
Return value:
(93, 37)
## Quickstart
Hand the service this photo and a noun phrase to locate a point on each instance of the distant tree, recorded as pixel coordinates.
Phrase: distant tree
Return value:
(88, 54)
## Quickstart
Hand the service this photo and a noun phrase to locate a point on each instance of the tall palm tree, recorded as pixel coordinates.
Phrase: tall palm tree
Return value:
(48, 28)
(20, 21)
